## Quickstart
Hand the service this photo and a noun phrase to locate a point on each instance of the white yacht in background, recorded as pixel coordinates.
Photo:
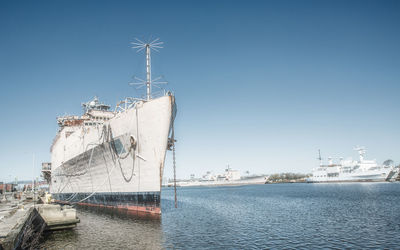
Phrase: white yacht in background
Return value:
(350, 170)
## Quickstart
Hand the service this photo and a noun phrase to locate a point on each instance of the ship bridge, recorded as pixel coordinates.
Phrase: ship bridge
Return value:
(95, 113)
(95, 105)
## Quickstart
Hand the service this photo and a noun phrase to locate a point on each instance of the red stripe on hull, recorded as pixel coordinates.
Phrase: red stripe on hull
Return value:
(140, 211)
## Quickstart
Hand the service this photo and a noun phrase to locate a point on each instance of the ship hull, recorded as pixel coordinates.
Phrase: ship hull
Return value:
(369, 176)
(116, 165)
(244, 181)
(141, 204)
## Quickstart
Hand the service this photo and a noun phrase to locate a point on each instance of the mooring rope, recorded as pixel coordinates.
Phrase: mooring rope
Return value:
(118, 157)
(115, 158)
(69, 176)
(94, 192)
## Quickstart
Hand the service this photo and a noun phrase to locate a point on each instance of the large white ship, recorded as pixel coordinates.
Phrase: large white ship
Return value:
(351, 170)
(115, 158)
(229, 177)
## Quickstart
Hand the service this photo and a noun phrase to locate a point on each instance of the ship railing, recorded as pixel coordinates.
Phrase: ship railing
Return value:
(130, 102)
(126, 104)
(160, 93)
(156, 94)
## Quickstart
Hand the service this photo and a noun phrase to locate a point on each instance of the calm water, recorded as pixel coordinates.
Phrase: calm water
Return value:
(359, 215)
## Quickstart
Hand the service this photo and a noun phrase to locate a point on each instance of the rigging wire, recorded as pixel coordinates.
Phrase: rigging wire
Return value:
(115, 158)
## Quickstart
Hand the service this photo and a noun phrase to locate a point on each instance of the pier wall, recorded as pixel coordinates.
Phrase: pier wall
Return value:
(26, 232)
(21, 228)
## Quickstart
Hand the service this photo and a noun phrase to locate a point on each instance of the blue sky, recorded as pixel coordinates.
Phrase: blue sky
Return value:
(260, 85)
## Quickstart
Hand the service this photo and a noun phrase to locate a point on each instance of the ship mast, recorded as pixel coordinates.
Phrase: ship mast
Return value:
(361, 152)
(319, 157)
(139, 45)
(148, 71)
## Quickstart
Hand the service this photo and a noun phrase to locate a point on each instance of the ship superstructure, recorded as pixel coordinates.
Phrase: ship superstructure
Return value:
(229, 177)
(115, 158)
(351, 170)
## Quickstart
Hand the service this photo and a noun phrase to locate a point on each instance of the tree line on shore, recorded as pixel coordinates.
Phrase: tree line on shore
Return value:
(283, 177)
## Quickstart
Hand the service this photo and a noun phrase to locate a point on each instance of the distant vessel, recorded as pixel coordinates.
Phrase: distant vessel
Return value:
(115, 158)
(350, 170)
(229, 177)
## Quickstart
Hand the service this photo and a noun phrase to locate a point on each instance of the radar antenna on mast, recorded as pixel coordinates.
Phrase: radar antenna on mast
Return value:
(148, 46)
(319, 157)
(361, 152)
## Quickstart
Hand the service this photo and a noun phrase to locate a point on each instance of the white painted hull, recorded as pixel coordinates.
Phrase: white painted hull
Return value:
(371, 175)
(246, 181)
(99, 162)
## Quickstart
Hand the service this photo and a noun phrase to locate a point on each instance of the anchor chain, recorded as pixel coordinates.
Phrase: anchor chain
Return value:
(171, 146)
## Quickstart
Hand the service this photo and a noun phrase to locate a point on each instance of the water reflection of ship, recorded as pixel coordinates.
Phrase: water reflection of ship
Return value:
(352, 170)
(105, 229)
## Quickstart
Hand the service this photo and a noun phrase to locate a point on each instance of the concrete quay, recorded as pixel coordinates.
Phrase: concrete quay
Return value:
(58, 217)
(22, 222)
